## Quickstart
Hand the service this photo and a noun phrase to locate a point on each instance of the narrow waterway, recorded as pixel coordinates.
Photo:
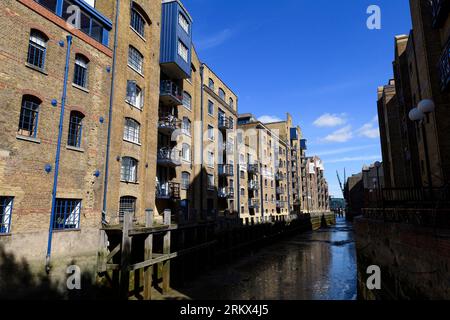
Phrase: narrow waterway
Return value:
(318, 265)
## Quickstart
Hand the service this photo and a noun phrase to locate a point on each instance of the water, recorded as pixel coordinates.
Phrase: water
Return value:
(318, 265)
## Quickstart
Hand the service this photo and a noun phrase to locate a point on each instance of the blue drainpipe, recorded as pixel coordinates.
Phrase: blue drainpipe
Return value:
(111, 103)
(58, 153)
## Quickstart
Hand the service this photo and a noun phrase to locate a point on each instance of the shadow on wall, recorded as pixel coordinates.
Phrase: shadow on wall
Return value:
(17, 281)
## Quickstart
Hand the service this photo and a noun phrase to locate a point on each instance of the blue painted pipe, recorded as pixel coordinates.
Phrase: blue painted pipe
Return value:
(111, 103)
(58, 153)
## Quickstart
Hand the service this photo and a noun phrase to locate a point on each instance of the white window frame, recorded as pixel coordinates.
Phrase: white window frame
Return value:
(211, 135)
(183, 22)
(183, 51)
(133, 132)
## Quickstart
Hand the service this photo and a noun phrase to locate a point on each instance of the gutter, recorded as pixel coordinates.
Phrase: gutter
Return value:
(58, 154)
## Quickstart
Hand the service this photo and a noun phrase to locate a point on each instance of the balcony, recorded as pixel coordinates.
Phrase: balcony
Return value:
(169, 157)
(279, 176)
(226, 170)
(170, 191)
(170, 93)
(444, 67)
(253, 185)
(280, 190)
(253, 168)
(225, 123)
(281, 204)
(253, 204)
(168, 124)
(439, 10)
(226, 193)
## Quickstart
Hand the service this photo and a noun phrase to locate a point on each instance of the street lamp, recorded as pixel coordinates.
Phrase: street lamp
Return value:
(418, 115)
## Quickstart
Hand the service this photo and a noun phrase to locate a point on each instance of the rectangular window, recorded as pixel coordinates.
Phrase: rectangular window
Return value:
(28, 121)
(132, 131)
(210, 108)
(210, 132)
(6, 206)
(183, 51)
(187, 100)
(127, 204)
(75, 129)
(135, 59)
(37, 50)
(185, 180)
(67, 214)
(128, 172)
(135, 95)
(210, 159)
(211, 185)
(184, 24)
(80, 72)
(137, 22)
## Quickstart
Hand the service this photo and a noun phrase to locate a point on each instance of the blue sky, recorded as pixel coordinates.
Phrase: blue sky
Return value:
(314, 59)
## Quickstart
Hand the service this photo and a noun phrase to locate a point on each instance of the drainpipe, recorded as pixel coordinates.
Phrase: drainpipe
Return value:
(58, 153)
(201, 138)
(111, 103)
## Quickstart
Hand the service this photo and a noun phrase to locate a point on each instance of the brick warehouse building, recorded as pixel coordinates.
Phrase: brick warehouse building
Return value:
(130, 135)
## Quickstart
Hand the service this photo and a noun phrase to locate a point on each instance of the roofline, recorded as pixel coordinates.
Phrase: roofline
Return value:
(218, 77)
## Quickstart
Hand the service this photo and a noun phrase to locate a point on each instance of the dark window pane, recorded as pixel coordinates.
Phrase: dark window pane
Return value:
(49, 4)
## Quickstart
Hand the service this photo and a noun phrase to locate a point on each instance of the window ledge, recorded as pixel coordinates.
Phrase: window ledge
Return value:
(29, 139)
(9, 234)
(66, 230)
(132, 142)
(188, 109)
(138, 34)
(132, 105)
(80, 87)
(130, 182)
(81, 150)
(135, 70)
(31, 66)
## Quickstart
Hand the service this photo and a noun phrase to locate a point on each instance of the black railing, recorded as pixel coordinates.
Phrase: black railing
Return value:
(169, 191)
(407, 197)
(169, 88)
(439, 10)
(226, 170)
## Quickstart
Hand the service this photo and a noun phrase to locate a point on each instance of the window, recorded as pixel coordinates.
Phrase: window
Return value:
(183, 51)
(37, 49)
(186, 152)
(210, 159)
(211, 84)
(182, 21)
(186, 126)
(75, 129)
(187, 100)
(211, 182)
(135, 59)
(135, 95)
(128, 172)
(49, 4)
(132, 131)
(137, 21)
(242, 174)
(6, 205)
(127, 204)
(210, 132)
(242, 192)
(231, 103)
(210, 108)
(67, 214)
(80, 75)
(221, 94)
(185, 180)
(28, 121)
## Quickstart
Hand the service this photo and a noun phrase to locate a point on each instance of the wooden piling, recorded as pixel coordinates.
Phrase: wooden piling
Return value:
(125, 256)
(148, 254)
(166, 250)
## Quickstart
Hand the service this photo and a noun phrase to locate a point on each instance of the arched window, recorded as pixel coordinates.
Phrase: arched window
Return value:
(135, 59)
(135, 95)
(231, 103)
(211, 84)
(221, 94)
(128, 172)
(186, 126)
(185, 180)
(137, 20)
(187, 100)
(127, 204)
(75, 129)
(29, 114)
(186, 152)
(132, 131)
(37, 49)
(80, 74)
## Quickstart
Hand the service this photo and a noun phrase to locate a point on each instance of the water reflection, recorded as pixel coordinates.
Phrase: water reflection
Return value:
(318, 265)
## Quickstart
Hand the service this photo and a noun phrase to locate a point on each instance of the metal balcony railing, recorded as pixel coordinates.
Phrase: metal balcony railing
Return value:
(169, 157)
(444, 67)
(169, 191)
(253, 203)
(226, 170)
(253, 168)
(225, 123)
(280, 190)
(168, 124)
(253, 185)
(281, 204)
(226, 192)
(170, 92)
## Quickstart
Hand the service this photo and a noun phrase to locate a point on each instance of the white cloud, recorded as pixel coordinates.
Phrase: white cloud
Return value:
(330, 120)
(269, 119)
(340, 136)
(343, 150)
(215, 40)
(350, 159)
(370, 130)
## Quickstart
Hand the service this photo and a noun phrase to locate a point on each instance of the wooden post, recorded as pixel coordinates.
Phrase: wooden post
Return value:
(181, 260)
(148, 255)
(166, 250)
(103, 252)
(125, 256)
